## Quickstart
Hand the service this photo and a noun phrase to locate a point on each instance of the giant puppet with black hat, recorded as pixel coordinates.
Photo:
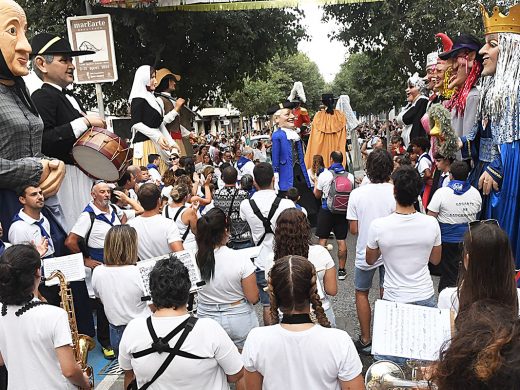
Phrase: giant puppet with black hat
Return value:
(64, 118)
(328, 131)
(501, 106)
(288, 159)
(466, 68)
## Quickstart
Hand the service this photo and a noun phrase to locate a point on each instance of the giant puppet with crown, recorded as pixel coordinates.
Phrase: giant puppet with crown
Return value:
(500, 105)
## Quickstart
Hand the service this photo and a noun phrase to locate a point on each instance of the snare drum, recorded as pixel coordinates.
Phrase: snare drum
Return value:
(101, 154)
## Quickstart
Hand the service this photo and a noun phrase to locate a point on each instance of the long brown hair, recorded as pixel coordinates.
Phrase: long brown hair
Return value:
(292, 235)
(483, 353)
(292, 286)
(121, 245)
(490, 273)
(317, 163)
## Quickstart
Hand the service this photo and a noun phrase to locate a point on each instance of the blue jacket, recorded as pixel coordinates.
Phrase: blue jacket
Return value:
(283, 162)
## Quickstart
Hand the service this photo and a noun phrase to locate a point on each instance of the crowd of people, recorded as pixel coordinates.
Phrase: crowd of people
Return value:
(437, 198)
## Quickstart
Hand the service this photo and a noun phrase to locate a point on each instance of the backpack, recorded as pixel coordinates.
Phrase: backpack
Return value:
(339, 193)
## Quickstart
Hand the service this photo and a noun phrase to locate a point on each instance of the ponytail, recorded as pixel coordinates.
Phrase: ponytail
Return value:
(211, 229)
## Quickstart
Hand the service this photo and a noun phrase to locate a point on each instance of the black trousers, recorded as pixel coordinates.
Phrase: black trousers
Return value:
(307, 198)
(451, 258)
(102, 326)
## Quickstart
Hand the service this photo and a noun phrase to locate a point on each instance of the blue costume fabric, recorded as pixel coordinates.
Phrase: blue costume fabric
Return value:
(282, 159)
(505, 170)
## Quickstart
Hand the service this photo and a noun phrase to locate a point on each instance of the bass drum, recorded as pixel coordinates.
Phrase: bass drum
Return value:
(101, 154)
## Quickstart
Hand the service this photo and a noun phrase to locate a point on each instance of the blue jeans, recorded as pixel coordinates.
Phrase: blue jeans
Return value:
(429, 302)
(261, 282)
(116, 332)
(236, 319)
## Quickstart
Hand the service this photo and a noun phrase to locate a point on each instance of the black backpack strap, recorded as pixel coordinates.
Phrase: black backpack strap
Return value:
(265, 221)
(166, 212)
(83, 242)
(162, 344)
(232, 201)
(178, 213)
(183, 238)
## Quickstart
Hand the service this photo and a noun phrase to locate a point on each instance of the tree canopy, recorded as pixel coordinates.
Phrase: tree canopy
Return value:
(212, 51)
(273, 83)
(396, 36)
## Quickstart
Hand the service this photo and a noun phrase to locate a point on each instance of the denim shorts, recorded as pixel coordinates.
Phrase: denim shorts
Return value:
(236, 319)
(363, 278)
(261, 282)
(116, 332)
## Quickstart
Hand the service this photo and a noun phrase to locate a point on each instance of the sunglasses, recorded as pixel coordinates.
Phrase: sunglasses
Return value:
(174, 158)
(472, 224)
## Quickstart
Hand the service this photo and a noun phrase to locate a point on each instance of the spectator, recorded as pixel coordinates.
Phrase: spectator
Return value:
(441, 175)
(261, 213)
(153, 168)
(285, 355)
(128, 182)
(157, 235)
(293, 236)
(213, 359)
(294, 195)
(230, 291)
(245, 164)
(117, 283)
(488, 271)
(483, 353)
(184, 217)
(366, 203)
(406, 233)
(260, 152)
(424, 166)
(228, 199)
(145, 175)
(397, 144)
(454, 206)
(327, 221)
(318, 166)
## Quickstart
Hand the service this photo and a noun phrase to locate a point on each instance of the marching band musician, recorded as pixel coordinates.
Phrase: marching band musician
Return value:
(33, 335)
(64, 120)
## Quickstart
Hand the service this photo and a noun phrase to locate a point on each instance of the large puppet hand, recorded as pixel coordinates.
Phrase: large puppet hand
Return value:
(486, 182)
(52, 176)
(163, 143)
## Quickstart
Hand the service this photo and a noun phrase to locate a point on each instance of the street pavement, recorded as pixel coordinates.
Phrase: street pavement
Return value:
(343, 304)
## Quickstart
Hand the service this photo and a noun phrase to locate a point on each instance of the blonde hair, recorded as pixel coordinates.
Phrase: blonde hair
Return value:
(121, 245)
(179, 192)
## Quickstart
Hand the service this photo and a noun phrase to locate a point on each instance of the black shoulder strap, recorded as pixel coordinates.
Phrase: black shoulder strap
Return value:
(115, 211)
(166, 212)
(178, 212)
(84, 248)
(265, 221)
(232, 201)
(160, 344)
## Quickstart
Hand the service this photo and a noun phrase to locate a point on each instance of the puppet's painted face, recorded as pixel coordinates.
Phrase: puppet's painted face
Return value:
(285, 118)
(13, 42)
(462, 65)
(430, 77)
(490, 53)
(411, 92)
(440, 70)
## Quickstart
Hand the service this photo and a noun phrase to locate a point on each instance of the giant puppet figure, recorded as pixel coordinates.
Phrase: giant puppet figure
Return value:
(501, 104)
(21, 160)
(302, 121)
(287, 157)
(328, 132)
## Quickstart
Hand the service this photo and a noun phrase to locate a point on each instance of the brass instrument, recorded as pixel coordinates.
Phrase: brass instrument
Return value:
(81, 343)
(386, 375)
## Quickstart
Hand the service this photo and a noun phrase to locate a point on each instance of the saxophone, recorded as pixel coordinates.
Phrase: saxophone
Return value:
(81, 344)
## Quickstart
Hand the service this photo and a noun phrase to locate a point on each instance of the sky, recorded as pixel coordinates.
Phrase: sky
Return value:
(326, 54)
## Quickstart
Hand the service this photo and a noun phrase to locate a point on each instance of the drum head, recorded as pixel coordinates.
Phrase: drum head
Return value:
(94, 163)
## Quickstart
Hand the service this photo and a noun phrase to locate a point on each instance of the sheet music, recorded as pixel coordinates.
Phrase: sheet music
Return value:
(71, 266)
(410, 331)
(186, 257)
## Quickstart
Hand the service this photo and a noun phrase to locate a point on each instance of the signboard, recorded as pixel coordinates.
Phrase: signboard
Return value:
(93, 32)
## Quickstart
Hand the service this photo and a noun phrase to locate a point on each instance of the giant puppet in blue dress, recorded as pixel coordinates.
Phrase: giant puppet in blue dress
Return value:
(501, 103)
(288, 158)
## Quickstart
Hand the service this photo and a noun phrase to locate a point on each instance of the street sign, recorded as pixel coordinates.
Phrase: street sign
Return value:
(93, 32)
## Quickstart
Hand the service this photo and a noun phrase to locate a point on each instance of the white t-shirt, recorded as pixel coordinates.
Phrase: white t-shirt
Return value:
(189, 242)
(28, 344)
(120, 289)
(365, 204)
(26, 231)
(226, 285)
(320, 257)
(312, 359)
(264, 200)
(448, 299)
(207, 339)
(456, 209)
(154, 234)
(406, 242)
(423, 163)
(99, 228)
(247, 169)
(154, 174)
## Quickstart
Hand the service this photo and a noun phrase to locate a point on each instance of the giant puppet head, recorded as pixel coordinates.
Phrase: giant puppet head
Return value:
(14, 46)
(501, 55)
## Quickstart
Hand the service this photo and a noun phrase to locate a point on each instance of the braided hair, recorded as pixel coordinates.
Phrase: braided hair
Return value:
(18, 265)
(292, 286)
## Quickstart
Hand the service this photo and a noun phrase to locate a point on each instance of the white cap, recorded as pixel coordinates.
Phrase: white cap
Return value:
(431, 59)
